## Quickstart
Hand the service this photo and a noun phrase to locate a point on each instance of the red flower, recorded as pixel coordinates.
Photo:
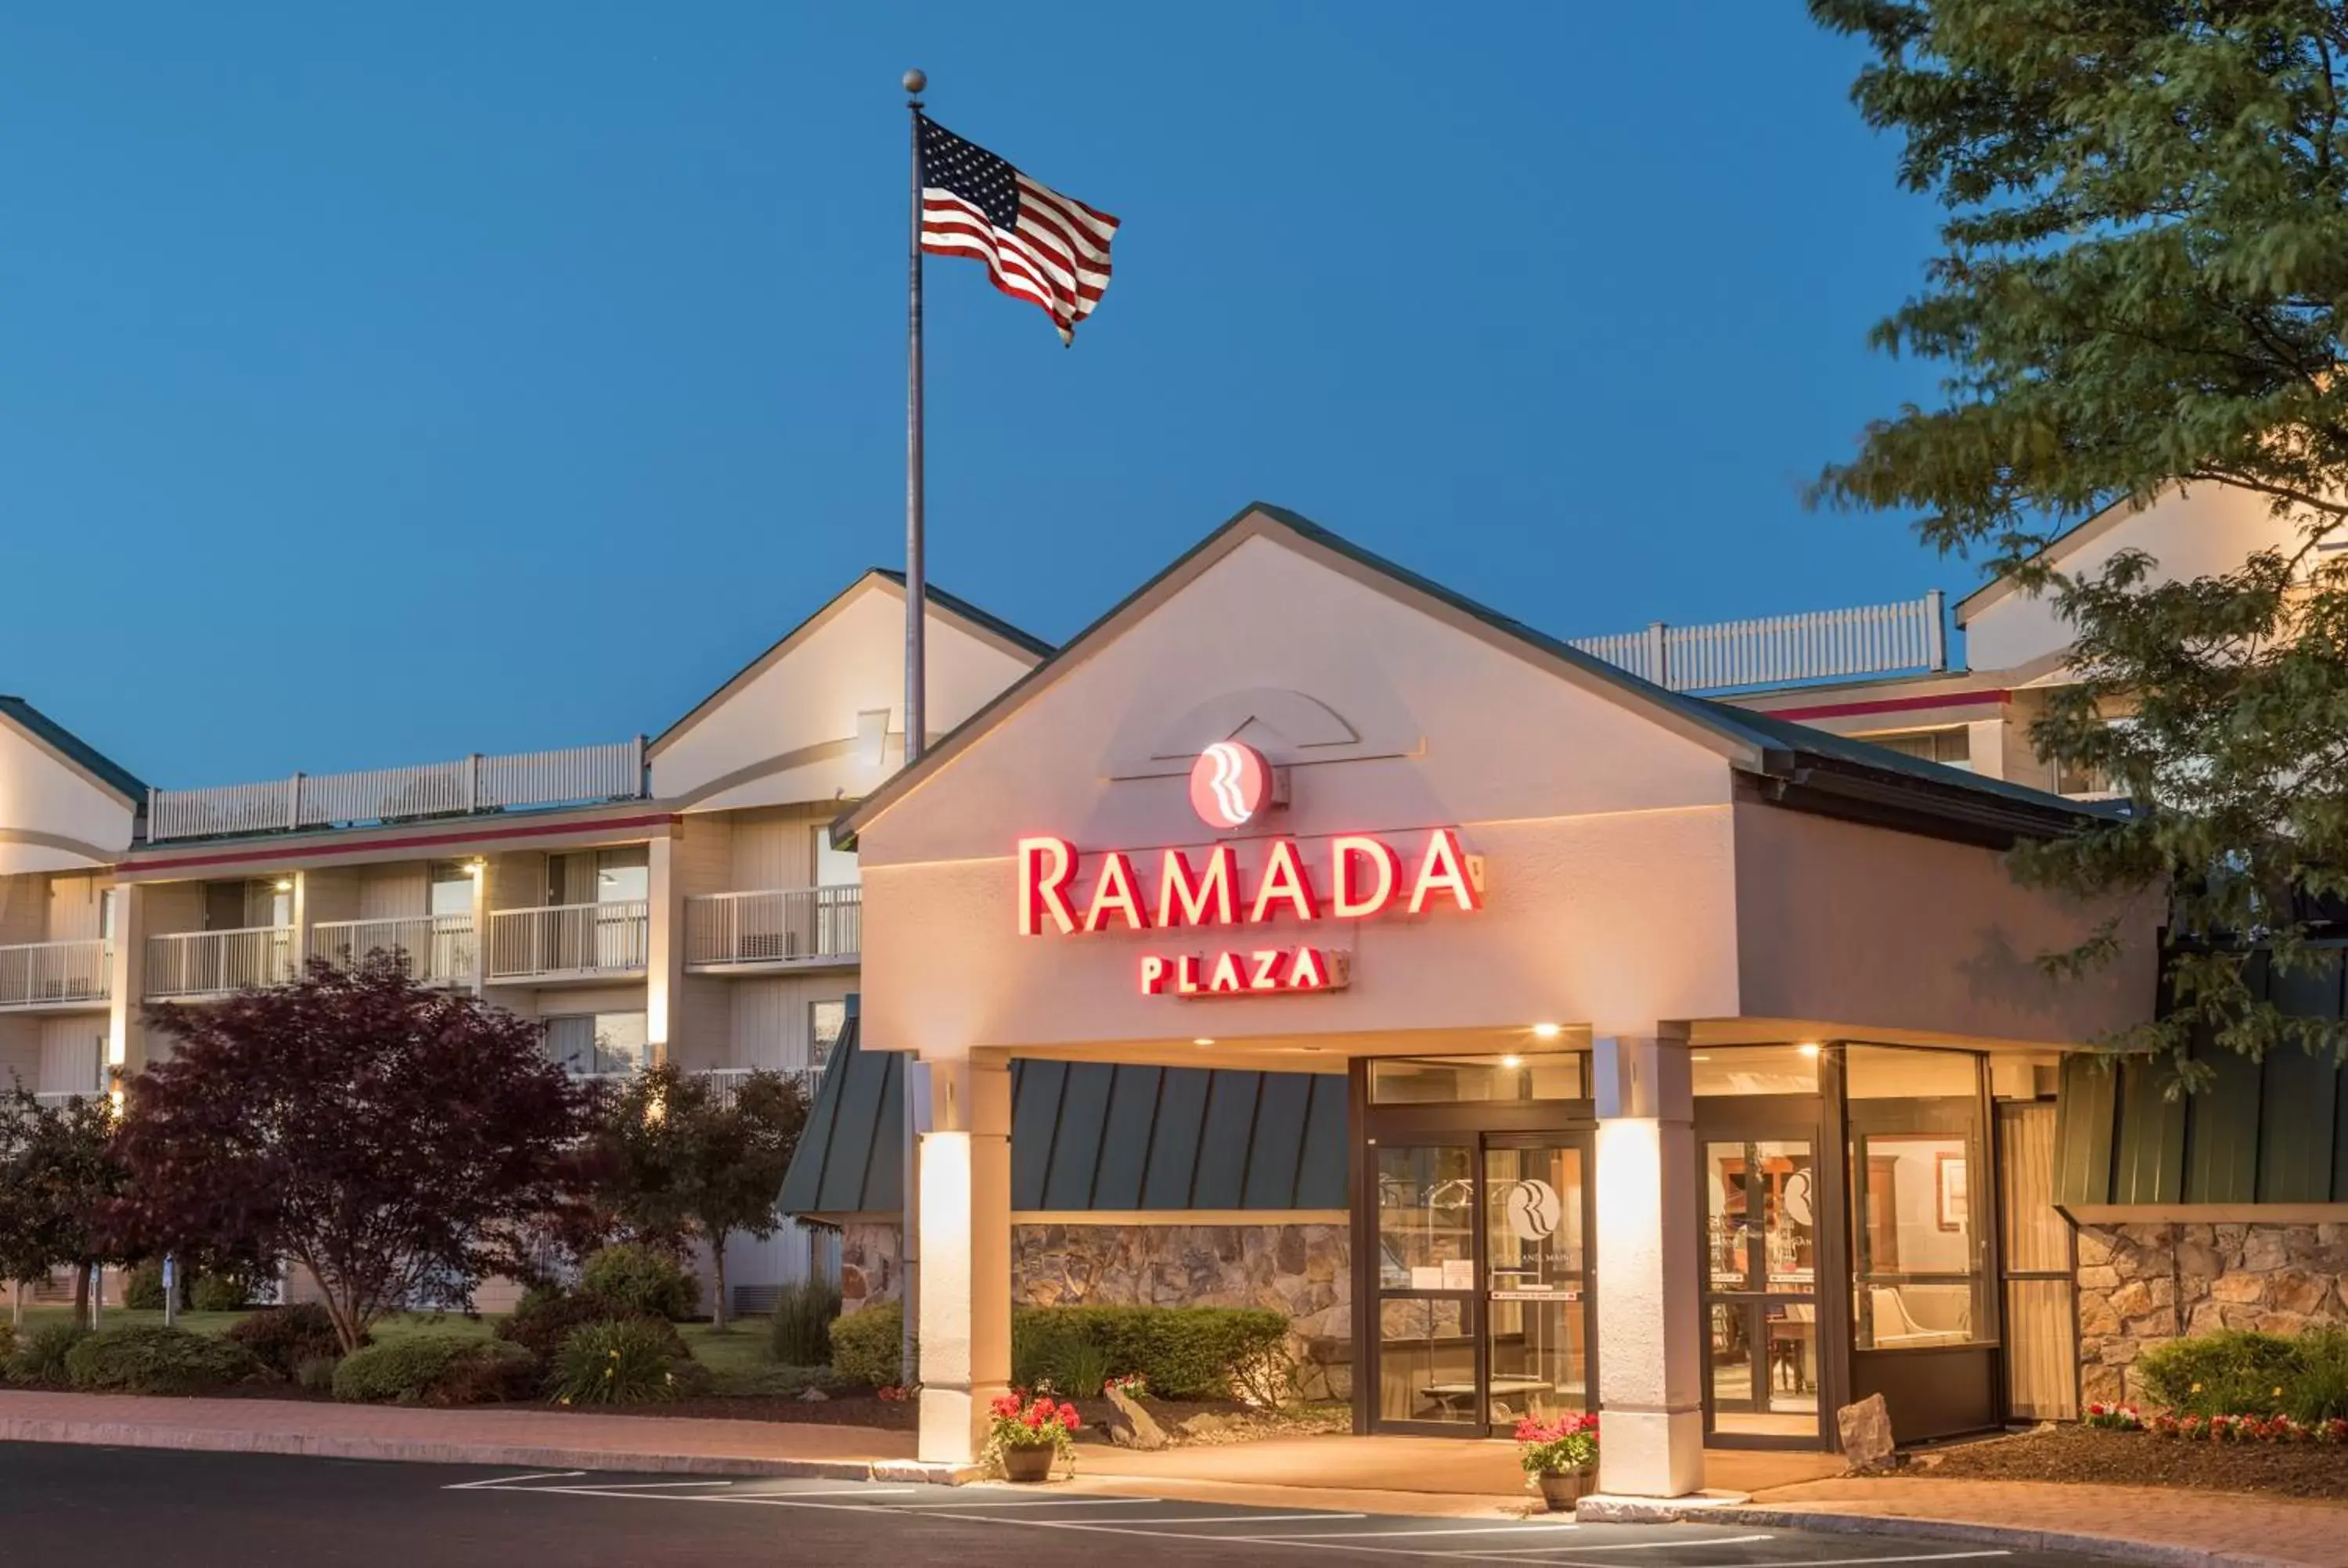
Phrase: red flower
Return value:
(1005, 1406)
(1070, 1419)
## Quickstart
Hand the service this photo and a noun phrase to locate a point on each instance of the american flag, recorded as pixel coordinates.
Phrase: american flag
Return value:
(1037, 244)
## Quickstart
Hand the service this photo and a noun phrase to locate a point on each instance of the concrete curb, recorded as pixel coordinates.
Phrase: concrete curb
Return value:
(413, 1450)
(2117, 1548)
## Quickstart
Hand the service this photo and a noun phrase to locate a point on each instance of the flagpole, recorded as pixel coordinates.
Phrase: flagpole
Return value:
(912, 1091)
(916, 578)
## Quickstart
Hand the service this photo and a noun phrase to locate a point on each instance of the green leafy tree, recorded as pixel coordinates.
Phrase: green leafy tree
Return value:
(2144, 264)
(59, 1179)
(685, 1157)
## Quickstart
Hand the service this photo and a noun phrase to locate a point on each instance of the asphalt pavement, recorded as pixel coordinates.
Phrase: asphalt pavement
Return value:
(96, 1507)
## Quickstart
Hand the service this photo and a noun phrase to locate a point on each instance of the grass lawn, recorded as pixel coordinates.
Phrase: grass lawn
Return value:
(739, 1361)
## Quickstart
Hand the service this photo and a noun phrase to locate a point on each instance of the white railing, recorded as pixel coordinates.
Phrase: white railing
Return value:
(440, 947)
(725, 1079)
(777, 925)
(205, 963)
(579, 775)
(58, 1099)
(1872, 640)
(44, 974)
(570, 939)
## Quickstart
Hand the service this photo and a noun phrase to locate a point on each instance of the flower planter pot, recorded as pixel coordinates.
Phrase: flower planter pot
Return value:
(1032, 1463)
(1561, 1490)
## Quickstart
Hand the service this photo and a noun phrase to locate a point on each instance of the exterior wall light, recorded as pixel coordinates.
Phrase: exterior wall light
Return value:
(285, 885)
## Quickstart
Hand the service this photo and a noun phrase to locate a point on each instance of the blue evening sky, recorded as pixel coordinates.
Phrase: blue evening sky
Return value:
(383, 384)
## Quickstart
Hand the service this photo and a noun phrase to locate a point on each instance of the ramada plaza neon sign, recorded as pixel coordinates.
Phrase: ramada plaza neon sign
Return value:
(1364, 876)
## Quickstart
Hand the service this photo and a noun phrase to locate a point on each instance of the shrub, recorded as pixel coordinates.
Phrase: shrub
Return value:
(2320, 1391)
(866, 1346)
(801, 1336)
(142, 1289)
(623, 1363)
(40, 1357)
(218, 1293)
(153, 1359)
(435, 1369)
(316, 1373)
(282, 1338)
(7, 1343)
(544, 1320)
(2234, 1373)
(643, 1279)
(1184, 1352)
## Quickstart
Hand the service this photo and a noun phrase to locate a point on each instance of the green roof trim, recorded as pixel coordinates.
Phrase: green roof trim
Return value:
(75, 750)
(1089, 1137)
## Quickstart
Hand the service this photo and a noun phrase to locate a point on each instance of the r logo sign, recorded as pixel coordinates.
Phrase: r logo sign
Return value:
(1230, 784)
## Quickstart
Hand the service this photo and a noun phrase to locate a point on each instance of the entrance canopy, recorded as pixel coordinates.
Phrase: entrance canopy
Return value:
(1291, 798)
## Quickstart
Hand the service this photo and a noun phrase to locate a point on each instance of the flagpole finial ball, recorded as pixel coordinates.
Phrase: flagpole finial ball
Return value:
(915, 81)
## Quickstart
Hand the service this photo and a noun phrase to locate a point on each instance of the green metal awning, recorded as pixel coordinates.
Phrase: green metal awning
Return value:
(1090, 1135)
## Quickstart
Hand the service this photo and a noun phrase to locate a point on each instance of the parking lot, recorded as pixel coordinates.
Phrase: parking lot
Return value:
(105, 1506)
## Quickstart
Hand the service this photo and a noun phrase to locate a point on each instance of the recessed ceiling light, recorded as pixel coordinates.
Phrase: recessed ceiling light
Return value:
(1548, 1030)
(1699, 1058)
(1203, 1039)
(1512, 1062)
(1807, 1048)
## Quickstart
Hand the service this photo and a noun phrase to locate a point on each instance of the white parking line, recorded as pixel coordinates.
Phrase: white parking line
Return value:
(499, 1480)
(1664, 1545)
(649, 1485)
(1033, 1503)
(1467, 1530)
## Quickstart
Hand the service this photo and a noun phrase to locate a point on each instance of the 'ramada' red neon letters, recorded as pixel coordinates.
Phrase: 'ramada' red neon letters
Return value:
(1361, 875)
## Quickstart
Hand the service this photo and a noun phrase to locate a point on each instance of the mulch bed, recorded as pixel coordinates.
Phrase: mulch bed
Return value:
(2083, 1454)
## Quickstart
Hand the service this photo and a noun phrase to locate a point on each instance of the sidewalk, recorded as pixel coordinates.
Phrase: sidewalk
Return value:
(536, 1440)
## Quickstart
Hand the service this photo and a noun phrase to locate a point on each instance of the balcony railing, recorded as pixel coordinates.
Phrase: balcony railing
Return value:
(53, 974)
(775, 926)
(725, 1079)
(440, 949)
(207, 963)
(563, 940)
(579, 775)
(1871, 641)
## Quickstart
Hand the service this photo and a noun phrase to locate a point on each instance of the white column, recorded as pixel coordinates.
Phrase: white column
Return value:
(965, 1250)
(126, 982)
(664, 948)
(1649, 1309)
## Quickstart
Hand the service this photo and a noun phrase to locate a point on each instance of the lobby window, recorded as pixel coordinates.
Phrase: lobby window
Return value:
(826, 1020)
(1918, 1155)
(1457, 1080)
(1950, 747)
(1723, 1070)
(590, 1044)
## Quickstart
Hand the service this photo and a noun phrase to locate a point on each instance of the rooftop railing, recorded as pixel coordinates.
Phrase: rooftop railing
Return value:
(578, 775)
(1869, 641)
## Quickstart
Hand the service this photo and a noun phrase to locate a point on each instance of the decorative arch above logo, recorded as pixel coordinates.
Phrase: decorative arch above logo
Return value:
(1230, 782)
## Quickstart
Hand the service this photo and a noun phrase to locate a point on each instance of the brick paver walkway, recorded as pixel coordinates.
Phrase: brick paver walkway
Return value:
(559, 1439)
(2278, 1529)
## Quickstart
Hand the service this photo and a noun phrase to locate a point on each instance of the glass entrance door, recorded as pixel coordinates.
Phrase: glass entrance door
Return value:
(1481, 1308)
(1763, 1209)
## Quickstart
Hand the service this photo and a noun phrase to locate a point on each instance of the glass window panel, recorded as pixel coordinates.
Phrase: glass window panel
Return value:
(623, 874)
(1896, 1072)
(1534, 1260)
(1761, 1206)
(2040, 1358)
(834, 867)
(1755, 1070)
(1451, 1079)
(1426, 1360)
(1427, 1198)
(826, 1019)
(1919, 1277)
(452, 888)
(598, 1043)
(1539, 1363)
(2036, 1239)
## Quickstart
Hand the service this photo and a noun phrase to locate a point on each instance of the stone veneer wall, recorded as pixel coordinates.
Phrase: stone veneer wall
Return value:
(2145, 1284)
(1300, 1271)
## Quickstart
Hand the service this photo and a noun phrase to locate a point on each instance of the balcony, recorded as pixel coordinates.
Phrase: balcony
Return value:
(58, 975)
(570, 941)
(212, 963)
(1870, 641)
(783, 928)
(440, 949)
(579, 775)
(725, 1079)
